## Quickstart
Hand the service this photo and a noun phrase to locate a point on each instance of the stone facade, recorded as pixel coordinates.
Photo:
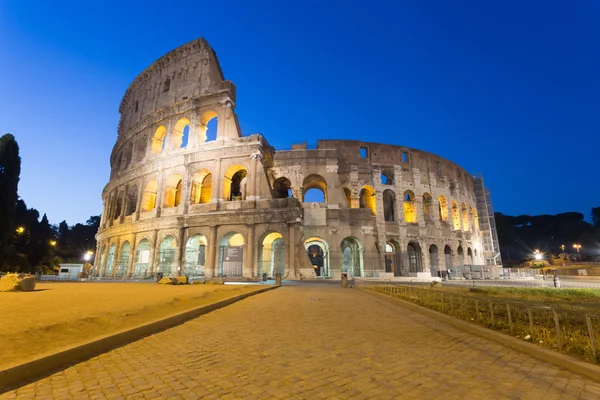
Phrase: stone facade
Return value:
(181, 201)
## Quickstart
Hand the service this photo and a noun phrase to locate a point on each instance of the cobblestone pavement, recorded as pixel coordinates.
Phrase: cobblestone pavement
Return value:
(312, 342)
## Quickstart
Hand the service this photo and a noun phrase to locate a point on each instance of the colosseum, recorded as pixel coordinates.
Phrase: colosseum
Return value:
(189, 194)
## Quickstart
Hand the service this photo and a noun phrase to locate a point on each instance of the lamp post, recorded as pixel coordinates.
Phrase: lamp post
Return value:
(577, 247)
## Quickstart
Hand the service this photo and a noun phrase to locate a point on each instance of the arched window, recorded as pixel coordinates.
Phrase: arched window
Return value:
(234, 184)
(455, 216)
(352, 257)
(209, 124)
(166, 256)
(118, 205)
(443, 208)
(314, 181)
(126, 155)
(469, 256)
(173, 191)
(392, 258)
(123, 262)
(149, 199)
(181, 133)
(389, 205)
(318, 254)
(414, 258)
(465, 218)
(142, 258)
(195, 256)
(348, 195)
(131, 201)
(110, 260)
(410, 208)
(427, 201)
(158, 140)
(367, 198)
(282, 188)
(201, 187)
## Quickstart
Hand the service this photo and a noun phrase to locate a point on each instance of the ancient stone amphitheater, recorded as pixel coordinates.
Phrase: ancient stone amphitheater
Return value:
(189, 194)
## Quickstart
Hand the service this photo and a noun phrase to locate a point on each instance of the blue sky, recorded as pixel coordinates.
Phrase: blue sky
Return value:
(508, 89)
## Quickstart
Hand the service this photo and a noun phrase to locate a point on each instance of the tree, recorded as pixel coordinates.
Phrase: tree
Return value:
(10, 169)
(596, 217)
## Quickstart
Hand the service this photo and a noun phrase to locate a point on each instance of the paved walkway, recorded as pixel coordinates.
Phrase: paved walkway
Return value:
(312, 342)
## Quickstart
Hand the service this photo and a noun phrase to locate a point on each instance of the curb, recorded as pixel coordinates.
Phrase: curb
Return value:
(18, 375)
(561, 360)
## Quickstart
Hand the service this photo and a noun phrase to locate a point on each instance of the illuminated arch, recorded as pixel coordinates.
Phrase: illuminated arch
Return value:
(271, 254)
(209, 122)
(158, 140)
(181, 133)
(201, 187)
(455, 216)
(367, 199)
(149, 195)
(314, 181)
(282, 188)
(410, 208)
(173, 189)
(234, 183)
(427, 202)
(443, 208)
(465, 218)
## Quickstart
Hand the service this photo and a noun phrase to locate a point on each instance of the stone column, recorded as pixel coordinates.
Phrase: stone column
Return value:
(250, 253)
(140, 199)
(185, 189)
(251, 195)
(153, 254)
(179, 253)
(116, 258)
(159, 192)
(291, 249)
(123, 204)
(217, 182)
(213, 255)
(132, 256)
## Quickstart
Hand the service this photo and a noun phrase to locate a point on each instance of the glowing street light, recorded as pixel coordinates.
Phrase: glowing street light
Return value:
(53, 243)
(577, 247)
(20, 230)
(88, 255)
(537, 255)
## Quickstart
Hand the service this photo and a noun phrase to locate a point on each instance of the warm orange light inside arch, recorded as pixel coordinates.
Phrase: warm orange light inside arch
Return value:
(158, 140)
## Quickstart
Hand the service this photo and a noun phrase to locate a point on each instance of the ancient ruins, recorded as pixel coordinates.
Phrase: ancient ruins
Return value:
(182, 202)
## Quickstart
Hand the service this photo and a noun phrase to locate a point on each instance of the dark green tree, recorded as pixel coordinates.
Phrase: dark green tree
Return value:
(10, 169)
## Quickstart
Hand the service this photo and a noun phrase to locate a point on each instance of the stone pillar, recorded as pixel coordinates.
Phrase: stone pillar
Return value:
(213, 255)
(291, 249)
(251, 194)
(140, 199)
(153, 254)
(159, 192)
(250, 253)
(132, 256)
(185, 189)
(420, 213)
(217, 182)
(116, 258)
(123, 204)
(178, 267)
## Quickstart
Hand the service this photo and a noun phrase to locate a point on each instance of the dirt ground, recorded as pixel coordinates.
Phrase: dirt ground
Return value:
(58, 315)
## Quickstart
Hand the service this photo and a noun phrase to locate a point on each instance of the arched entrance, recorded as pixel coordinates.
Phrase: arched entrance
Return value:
(195, 256)
(142, 258)
(414, 258)
(166, 256)
(231, 255)
(271, 255)
(318, 253)
(110, 260)
(392, 258)
(123, 263)
(433, 260)
(352, 257)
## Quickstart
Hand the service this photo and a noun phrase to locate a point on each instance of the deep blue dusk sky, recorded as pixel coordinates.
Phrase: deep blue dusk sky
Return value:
(511, 89)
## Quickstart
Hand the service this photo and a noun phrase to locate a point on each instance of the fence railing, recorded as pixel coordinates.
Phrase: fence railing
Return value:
(568, 331)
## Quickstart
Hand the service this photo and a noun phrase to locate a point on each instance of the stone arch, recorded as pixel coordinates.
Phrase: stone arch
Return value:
(149, 195)
(110, 259)
(126, 155)
(410, 207)
(389, 205)
(427, 202)
(271, 254)
(158, 139)
(415, 263)
(195, 256)
(142, 258)
(314, 181)
(166, 255)
(393, 262)
(352, 257)
(234, 184)
(465, 218)
(317, 250)
(387, 177)
(469, 256)
(443, 208)
(181, 133)
(123, 262)
(231, 254)
(348, 195)
(460, 256)
(201, 187)
(282, 188)
(173, 189)
(455, 216)
(118, 204)
(208, 129)
(140, 148)
(434, 263)
(131, 200)
(448, 257)
(367, 198)
(475, 220)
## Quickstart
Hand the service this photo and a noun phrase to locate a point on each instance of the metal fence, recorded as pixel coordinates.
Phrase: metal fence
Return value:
(569, 331)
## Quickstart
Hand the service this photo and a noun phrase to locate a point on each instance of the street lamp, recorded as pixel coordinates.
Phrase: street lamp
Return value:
(53, 243)
(88, 255)
(577, 247)
(20, 230)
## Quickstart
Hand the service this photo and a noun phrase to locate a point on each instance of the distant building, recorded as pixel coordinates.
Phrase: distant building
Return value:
(70, 270)
(487, 223)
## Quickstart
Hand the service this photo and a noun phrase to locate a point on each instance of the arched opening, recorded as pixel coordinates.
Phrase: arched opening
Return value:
(469, 256)
(389, 205)
(392, 258)
(282, 188)
(195, 256)
(475, 220)
(448, 257)
(173, 191)
(201, 187)
(352, 257)
(318, 253)
(181, 133)
(475, 256)
(271, 255)
(158, 140)
(427, 201)
(149, 199)
(234, 185)
(348, 195)
(142, 258)
(126, 155)
(118, 205)
(443, 208)
(314, 181)
(140, 149)
(123, 263)
(434, 266)
(455, 216)
(410, 208)
(166, 256)
(367, 199)
(209, 123)
(461, 256)
(386, 178)
(465, 218)
(231, 255)
(131, 201)
(413, 251)
(110, 260)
